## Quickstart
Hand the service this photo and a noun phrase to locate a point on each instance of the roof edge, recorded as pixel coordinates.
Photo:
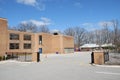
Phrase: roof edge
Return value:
(3, 18)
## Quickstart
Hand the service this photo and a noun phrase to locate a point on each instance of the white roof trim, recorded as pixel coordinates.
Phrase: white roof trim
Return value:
(89, 46)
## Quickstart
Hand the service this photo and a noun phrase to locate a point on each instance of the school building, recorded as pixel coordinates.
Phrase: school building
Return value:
(17, 42)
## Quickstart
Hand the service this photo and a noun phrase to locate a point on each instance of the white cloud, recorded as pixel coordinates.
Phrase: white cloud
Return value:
(78, 4)
(34, 3)
(104, 23)
(45, 19)
(88, 24)
(55, 30)
(97, 25)
(43, 22)
(28, 2)
(38, 23)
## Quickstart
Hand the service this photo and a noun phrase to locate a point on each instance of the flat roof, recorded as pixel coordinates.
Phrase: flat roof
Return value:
(3, 18)
(89, 46)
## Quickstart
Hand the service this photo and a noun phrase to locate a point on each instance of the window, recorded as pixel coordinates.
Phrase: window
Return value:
(27, 37)
(27, 46)
(14, 36)
(14, 46)
(40, 39)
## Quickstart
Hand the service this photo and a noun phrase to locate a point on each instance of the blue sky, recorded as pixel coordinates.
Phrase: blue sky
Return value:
(61, 14)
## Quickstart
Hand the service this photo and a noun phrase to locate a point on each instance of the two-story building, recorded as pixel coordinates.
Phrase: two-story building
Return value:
(17, 42)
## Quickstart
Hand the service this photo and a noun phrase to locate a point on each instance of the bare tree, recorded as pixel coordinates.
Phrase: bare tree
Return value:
(78, 33)
(99, 36)
(116, 32)
(79, 36)
(26, 27)
(89, 37)
(44, 29)
(29, 26)
(69, 31)
(105, 34)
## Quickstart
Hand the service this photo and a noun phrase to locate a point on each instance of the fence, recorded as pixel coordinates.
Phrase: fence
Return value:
(19, 56)
(106, 56)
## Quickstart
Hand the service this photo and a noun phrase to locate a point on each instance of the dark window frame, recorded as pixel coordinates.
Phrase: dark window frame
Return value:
(27, 37)
(14, 36)
(40, 39)
(27, 46)
(14, 46)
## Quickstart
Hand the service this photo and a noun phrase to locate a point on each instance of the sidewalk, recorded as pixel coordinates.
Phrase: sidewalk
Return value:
(112, 66)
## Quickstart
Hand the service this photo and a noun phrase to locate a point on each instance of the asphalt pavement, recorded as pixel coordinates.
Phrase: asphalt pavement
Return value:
(58, 67)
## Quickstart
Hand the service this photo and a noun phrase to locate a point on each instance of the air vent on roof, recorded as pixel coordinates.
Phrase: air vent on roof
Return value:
(55, 33)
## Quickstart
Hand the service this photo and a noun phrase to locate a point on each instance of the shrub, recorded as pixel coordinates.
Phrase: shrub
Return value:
(0, 58)
(3, 57)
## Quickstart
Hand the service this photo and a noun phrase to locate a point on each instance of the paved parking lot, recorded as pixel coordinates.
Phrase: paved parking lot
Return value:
(58, 67)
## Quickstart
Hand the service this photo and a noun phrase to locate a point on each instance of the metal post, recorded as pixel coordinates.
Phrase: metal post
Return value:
(92, 57)
(12, 55)
(17, 56)
(25, 56)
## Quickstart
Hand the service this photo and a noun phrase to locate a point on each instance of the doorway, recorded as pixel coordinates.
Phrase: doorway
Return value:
(40, 50)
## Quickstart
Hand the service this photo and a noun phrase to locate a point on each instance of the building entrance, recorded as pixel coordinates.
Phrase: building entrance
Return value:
(40, 50)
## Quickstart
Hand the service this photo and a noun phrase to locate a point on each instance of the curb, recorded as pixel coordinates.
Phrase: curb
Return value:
(113, 66)
(13, 61)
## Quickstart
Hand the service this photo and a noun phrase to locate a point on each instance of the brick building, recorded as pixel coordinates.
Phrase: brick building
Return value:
(12, 41)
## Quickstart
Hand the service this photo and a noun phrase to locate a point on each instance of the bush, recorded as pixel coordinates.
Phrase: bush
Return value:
(0, 58)
(3, 57)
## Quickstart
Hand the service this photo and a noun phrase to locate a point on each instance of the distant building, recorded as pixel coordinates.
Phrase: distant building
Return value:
(89, 47)
(12, 41)
(109, 47)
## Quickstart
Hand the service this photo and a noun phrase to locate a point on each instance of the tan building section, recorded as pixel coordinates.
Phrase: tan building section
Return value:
(99, 57)
(35, 57)
(20, 41)
(57, 44)
(17, 42)
(3, 36)
(68, 44)
(43, 43)
(53, 43)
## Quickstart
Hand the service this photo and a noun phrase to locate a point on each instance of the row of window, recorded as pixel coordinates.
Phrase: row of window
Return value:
(14, 36)
(16, 46)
